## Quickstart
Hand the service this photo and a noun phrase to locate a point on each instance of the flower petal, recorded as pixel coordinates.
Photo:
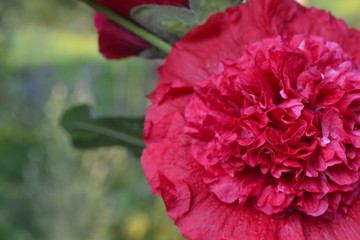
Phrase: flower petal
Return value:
(340, 227)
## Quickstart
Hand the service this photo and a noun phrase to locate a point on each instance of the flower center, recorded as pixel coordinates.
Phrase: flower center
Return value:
(279, 127)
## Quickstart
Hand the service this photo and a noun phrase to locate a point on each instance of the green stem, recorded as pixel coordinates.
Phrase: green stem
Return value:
(130, 26)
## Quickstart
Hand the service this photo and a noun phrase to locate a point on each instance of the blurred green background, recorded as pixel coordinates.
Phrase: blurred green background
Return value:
(48, 190)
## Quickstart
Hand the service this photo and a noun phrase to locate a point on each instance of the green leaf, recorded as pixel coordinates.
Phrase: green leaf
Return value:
(172, 23)
(89, 131)
(206, 8)
(159, 19)
(179, 29)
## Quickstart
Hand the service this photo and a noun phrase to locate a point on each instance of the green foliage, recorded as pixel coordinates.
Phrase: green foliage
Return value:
(171, 23)
(168, 22)
(205, 8)
(89, 131)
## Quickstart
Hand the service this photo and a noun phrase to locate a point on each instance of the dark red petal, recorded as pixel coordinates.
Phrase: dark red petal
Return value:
(115, 42)
(328, 27)
(314, 185)
(342, 175)
(290, 227)
(177, 198)
(124, 7)
(332, 126)
(208, 219)
(228, 189)
(313, 206)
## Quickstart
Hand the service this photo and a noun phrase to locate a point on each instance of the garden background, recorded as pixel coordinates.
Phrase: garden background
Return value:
(48, 189)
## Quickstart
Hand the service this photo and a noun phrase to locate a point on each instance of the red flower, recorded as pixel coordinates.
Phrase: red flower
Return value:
(114, 41)
(254, 131)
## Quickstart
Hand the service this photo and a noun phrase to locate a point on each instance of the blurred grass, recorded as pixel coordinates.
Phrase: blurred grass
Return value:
(345, 9)
(48, 190)
(35, 46)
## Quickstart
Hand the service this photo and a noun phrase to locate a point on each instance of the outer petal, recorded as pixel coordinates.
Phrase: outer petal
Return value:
(225, 34)
(342, 227)
(209, 219)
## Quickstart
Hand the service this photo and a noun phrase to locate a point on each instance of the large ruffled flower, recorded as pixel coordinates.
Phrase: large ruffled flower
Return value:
(254, 131)
(114, 41)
